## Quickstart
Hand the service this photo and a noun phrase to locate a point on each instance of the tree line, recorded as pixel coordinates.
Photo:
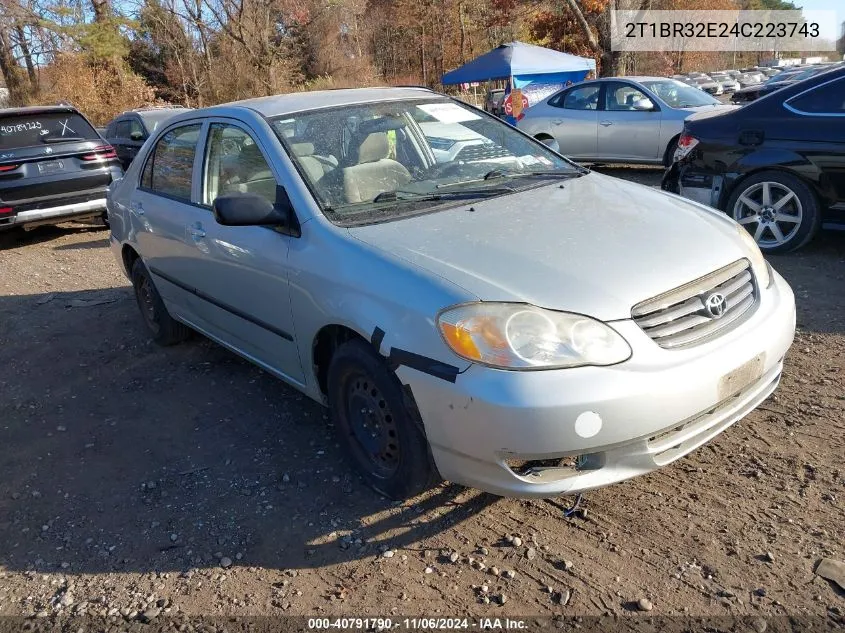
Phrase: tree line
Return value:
(108, 55)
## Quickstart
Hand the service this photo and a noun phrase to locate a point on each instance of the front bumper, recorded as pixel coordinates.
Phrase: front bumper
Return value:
(612, 422)
(702, 187)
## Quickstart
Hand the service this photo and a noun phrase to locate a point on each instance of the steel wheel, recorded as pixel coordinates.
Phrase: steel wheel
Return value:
(770, 211)
(373, 425)
(146, 300)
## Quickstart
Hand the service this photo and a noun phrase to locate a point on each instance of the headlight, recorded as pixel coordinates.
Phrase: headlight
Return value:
(758, 263)
(521, 336)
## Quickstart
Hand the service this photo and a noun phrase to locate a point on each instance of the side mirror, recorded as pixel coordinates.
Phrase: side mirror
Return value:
(643, 105)
(551, 143)
(249, 209)
(136, 136)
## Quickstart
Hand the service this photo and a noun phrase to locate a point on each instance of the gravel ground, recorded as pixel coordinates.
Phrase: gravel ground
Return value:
(139, 481)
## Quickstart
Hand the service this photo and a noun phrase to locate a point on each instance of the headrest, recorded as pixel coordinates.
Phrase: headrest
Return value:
(302, 149)
(373, 148)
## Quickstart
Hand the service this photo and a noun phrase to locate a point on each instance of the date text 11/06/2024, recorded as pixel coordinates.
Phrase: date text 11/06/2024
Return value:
(386, 624)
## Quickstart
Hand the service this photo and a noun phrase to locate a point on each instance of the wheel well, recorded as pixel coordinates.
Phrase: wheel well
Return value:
(727, 193)
(129, 255)
(328, 339)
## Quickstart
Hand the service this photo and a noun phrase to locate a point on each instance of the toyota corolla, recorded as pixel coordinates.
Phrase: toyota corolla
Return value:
(513, 322)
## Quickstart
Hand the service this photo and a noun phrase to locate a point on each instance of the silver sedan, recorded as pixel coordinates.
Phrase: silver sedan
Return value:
(433, 276)
(622, 120)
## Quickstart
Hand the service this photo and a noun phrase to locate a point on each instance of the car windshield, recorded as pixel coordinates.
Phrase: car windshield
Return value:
(679, 95)
(376, 161)
(28, 129)
(153, 119)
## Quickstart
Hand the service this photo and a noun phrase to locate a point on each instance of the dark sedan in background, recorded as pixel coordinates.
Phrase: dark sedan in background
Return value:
(128, 131)
(776, 166)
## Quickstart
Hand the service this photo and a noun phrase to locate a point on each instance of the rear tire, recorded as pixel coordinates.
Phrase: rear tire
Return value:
(164, 329)
(383, 437)
(779, 210)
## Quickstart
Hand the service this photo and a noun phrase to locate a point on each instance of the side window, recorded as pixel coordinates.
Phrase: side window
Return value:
(136, 128)
(170, 165)
(619, 96)
(234, 164)
(825, 99)
(122, 129)
(581, 98)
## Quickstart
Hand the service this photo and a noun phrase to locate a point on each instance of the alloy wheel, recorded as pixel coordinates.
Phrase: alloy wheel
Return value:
(770, 211)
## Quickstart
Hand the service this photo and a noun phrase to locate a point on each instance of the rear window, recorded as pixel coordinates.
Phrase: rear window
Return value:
(26, 130)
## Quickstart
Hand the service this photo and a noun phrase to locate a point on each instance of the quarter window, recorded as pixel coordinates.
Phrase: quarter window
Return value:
(234, 164)
(828, 98)
(169, 168)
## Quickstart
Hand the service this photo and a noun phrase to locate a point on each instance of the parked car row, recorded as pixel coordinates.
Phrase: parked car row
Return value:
(55, 165)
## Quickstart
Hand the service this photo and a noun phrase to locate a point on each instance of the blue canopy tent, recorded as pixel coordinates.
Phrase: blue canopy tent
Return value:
(522, 65)
(526, 63)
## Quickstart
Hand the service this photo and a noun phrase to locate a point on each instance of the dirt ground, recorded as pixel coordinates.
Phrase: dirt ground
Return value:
(140, 480)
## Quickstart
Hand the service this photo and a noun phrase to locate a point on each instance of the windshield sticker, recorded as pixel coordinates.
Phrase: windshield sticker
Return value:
(8, 130)
(448, 112)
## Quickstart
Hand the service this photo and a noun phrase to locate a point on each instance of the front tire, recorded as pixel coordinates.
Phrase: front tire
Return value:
(164, 329)
(382, 435)
(778, 209)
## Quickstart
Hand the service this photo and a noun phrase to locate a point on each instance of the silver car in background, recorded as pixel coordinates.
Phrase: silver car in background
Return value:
(514, 323)
(617, 119)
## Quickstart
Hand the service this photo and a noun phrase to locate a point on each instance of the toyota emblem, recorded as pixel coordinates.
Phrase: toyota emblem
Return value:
(715, 305)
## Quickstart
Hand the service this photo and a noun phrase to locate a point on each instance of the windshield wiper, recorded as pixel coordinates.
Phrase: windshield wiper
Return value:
(500, 173)
(398, 194)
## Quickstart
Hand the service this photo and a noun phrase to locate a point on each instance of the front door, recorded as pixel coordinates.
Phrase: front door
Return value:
(625, 132)
(241, 287)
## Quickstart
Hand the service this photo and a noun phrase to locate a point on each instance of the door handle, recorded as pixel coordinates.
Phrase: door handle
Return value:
(196, 232)
(606, 123)
(137, 208)
(557, 122)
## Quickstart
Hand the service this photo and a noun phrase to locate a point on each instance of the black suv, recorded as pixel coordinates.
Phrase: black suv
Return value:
(776, 166)
(53, 167)
(128, 131)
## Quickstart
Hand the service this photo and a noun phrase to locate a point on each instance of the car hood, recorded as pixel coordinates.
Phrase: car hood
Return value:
(594, 245)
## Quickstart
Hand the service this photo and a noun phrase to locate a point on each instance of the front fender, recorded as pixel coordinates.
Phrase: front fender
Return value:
(338, 280)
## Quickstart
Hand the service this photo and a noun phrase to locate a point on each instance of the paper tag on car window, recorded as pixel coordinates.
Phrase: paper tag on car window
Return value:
(448, 112)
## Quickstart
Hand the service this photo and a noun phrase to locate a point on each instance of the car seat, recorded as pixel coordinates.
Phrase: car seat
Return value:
(373, 172)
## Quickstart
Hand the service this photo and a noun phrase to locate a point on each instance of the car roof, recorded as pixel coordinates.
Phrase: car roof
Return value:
(279, 105)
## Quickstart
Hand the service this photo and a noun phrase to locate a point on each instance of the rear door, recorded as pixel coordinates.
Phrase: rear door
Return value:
(50, 159)
(573, 119)
(161, 207)
(623, 132)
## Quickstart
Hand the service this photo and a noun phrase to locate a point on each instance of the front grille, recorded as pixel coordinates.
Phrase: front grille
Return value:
(680, 317)
(482, 151)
